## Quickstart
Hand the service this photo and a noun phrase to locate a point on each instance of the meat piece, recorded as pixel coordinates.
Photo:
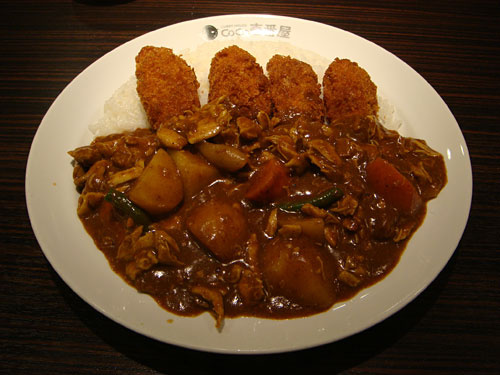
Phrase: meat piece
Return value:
(349, 279)
(323, 154)
(166, 85)
(348, 91)
(294, 89)
(251, 287)
(166, 248)
(234, 73)
(199, 124)
(141, 252)
(88, 202)
(124, 150)
(216, 300)
(248, 129)
(93, 179)
(86, 156)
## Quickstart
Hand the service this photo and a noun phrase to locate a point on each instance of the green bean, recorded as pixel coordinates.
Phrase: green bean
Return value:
(127, 207)
(322, 200)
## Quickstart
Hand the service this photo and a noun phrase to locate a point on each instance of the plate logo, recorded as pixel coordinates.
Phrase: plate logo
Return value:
(211, 32)
(253, 29)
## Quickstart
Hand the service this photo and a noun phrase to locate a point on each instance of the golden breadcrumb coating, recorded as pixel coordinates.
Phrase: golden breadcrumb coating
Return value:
(166, 85)
(234, 73)
(294, 89)
(348, 91)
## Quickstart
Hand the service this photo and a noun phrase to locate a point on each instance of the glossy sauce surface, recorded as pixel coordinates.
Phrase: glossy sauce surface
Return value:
(258, 259)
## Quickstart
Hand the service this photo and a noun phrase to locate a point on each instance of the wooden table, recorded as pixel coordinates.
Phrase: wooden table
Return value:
(451, 328)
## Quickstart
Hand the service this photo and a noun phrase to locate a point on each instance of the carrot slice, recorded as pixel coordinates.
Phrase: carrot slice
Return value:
(106, 212)
(268, 182)
(391, 185)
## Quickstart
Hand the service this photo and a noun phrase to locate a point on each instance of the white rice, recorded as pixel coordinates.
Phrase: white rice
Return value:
(124, 111)
(387, 114)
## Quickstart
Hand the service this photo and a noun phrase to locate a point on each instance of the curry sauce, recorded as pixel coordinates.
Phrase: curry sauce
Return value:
(330, 253)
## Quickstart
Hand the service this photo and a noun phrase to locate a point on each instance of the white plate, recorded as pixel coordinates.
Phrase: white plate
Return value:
(52, 199)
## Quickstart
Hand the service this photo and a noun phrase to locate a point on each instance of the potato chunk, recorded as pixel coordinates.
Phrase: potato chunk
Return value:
(221, 227)
(195, 171)
(296, 269)
(159, 188)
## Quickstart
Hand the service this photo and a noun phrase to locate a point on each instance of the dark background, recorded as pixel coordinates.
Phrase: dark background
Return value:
(451, 328)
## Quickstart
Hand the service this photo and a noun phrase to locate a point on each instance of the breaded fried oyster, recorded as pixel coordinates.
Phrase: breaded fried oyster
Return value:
(294, 89)
(166, 85)
(348, 91)
(234, 73)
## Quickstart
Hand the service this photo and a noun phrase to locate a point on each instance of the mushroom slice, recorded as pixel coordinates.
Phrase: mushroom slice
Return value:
(170, 138)
(205, 129)
(126, 175)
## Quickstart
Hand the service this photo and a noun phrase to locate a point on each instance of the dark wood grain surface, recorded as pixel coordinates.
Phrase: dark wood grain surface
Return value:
(451, 328)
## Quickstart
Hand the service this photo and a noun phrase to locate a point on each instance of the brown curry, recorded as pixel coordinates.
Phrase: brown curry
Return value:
(254, 217)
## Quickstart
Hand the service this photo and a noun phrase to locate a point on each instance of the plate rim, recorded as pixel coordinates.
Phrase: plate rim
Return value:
(368, 324)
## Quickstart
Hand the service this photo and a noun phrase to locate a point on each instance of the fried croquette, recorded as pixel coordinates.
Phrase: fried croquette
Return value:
(294, 89)
(235, 74)
(166, 85)
(348, 91)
